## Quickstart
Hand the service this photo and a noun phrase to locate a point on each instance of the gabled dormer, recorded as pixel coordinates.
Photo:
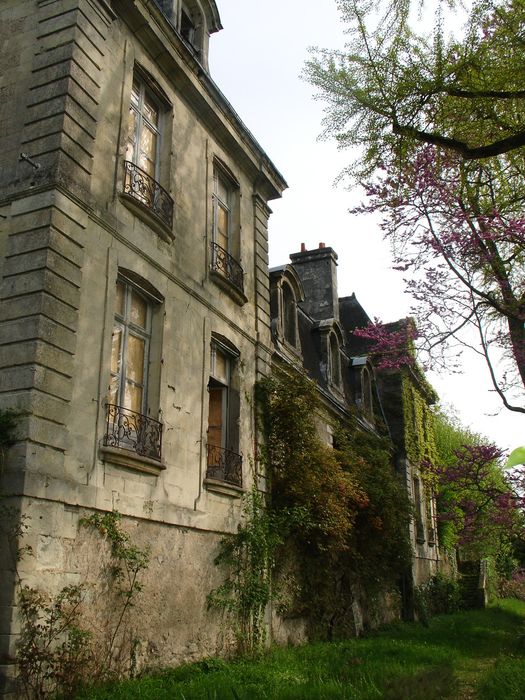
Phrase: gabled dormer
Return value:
(329, 339)
(286, 292)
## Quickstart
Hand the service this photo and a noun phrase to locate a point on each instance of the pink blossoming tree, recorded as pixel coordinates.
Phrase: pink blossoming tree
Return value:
(437, 126)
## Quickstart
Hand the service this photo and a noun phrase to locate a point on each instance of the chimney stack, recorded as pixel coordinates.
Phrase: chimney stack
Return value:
(317, 270)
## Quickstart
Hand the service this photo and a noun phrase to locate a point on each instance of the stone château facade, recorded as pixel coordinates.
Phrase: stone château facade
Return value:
(313, 331)
(134, 317)
(135, 306)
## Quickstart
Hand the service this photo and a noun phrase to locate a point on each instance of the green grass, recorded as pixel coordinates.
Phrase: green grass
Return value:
(476, 654)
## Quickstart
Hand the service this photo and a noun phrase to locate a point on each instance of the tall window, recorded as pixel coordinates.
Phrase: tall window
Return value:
(130, 348)
(226, 230)
(224, 462)
(187, 27)
(127, 425)
(420, 530)
(219, 398)
(289, 315)
(222, 211)
(335, 361)
(366, 389)
(143, 130)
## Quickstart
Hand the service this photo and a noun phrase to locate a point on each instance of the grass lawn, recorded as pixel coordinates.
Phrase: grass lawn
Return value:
(475, 654)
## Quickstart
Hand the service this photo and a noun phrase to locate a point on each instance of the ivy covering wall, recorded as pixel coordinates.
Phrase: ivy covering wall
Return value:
(353, 537)
(419, 433)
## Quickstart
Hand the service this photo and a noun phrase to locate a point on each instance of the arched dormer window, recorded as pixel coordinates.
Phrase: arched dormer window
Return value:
(289, 315)
(191, 25)
(195, 20)
(366, 391)
(335, 361)
(286, 295)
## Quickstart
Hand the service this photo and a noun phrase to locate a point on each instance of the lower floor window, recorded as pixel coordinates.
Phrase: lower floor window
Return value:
(128, 425)
(223, 459)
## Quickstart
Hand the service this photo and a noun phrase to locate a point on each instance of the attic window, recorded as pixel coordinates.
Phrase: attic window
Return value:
(188, 28)
(334, 362)
(289, 315)
(366, 392)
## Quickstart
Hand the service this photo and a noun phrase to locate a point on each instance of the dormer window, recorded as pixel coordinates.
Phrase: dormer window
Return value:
(289, 315)
(195, 21)
(366, 392)
(187, 27)
(334, 361)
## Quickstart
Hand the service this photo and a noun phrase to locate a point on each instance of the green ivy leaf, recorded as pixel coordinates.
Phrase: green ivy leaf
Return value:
(516, 457)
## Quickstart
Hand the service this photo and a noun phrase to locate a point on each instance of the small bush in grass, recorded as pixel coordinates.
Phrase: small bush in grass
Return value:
(439, 595)
(514, 587)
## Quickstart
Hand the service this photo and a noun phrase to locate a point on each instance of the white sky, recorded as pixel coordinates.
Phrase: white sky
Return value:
(256, 60)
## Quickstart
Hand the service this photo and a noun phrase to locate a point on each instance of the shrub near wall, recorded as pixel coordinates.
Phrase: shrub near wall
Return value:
(354, 537)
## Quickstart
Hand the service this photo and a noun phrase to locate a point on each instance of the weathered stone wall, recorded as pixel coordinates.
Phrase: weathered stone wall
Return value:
(67, 68)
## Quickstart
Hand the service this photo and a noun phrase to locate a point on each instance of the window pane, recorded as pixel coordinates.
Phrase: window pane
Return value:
(116, 342)
(113, 394)
(222, 227)
(121, 292)
(135, 93)
(215, 417)
(133, 397)
(148, 144)
(150, 111)
(289, 314)
(222, 190)
(220, 366)
(138, 310)
(131, 139)
(135, 359)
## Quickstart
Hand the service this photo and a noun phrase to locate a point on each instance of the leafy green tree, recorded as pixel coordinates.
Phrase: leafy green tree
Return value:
(479, 505)
(395, 87)
(440, 127)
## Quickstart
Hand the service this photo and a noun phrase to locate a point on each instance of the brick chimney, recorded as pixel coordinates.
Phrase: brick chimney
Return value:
(318, 272)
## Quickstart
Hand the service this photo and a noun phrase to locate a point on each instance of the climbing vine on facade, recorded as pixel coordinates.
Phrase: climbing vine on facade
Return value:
(61, 647)
(355, 534)
(249, 558)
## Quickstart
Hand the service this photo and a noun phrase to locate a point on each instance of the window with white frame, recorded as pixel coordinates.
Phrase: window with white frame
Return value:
(222, 211)
(128, 425)
(143, 142)
(142, 156)
(130, 348)
(225, 228)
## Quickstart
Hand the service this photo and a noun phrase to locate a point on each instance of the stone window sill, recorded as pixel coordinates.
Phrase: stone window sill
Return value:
(131, 460)
(224, 283)
(149, 217)
(224, 488)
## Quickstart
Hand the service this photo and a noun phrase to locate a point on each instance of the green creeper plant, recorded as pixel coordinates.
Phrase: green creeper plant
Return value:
(127, 562)
(249, 557)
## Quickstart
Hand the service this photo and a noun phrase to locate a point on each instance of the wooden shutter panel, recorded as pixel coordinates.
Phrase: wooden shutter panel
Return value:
(233, 420)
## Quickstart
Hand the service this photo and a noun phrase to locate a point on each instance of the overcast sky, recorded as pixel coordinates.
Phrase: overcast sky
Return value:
(257, 60)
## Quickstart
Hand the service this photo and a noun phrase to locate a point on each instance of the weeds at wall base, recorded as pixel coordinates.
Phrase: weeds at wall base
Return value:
(59, 648)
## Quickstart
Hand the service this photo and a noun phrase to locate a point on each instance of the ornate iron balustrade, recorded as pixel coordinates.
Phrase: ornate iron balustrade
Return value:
(224, 465)
(133, 431)
(142, 187)
(225, 264)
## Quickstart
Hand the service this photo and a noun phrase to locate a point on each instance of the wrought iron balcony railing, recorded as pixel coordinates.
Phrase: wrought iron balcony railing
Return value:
(224, 465)
(133, 431)
(142, 187)
(226, 265)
